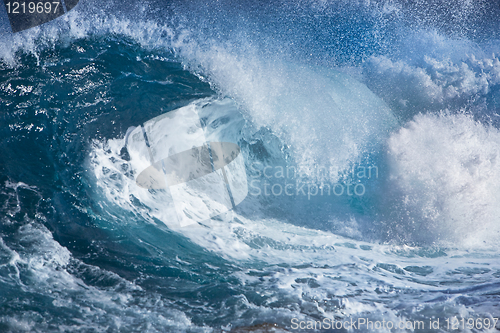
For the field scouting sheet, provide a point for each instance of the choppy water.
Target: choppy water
(401, 100)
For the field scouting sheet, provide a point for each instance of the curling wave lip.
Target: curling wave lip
(202, 179)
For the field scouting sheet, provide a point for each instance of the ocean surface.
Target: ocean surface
(370, 134)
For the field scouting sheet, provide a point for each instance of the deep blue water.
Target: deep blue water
(410, 92)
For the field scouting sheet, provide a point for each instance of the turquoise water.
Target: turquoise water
(400, 100)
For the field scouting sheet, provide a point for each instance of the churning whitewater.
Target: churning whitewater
(365, 186)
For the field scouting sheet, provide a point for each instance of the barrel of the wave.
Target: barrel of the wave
(25, 14)
(201, 179)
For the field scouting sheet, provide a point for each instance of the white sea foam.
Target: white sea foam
(41, 269)
(429, 71)
(445, 180)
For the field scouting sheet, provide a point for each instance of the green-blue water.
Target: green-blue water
(410, 93)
